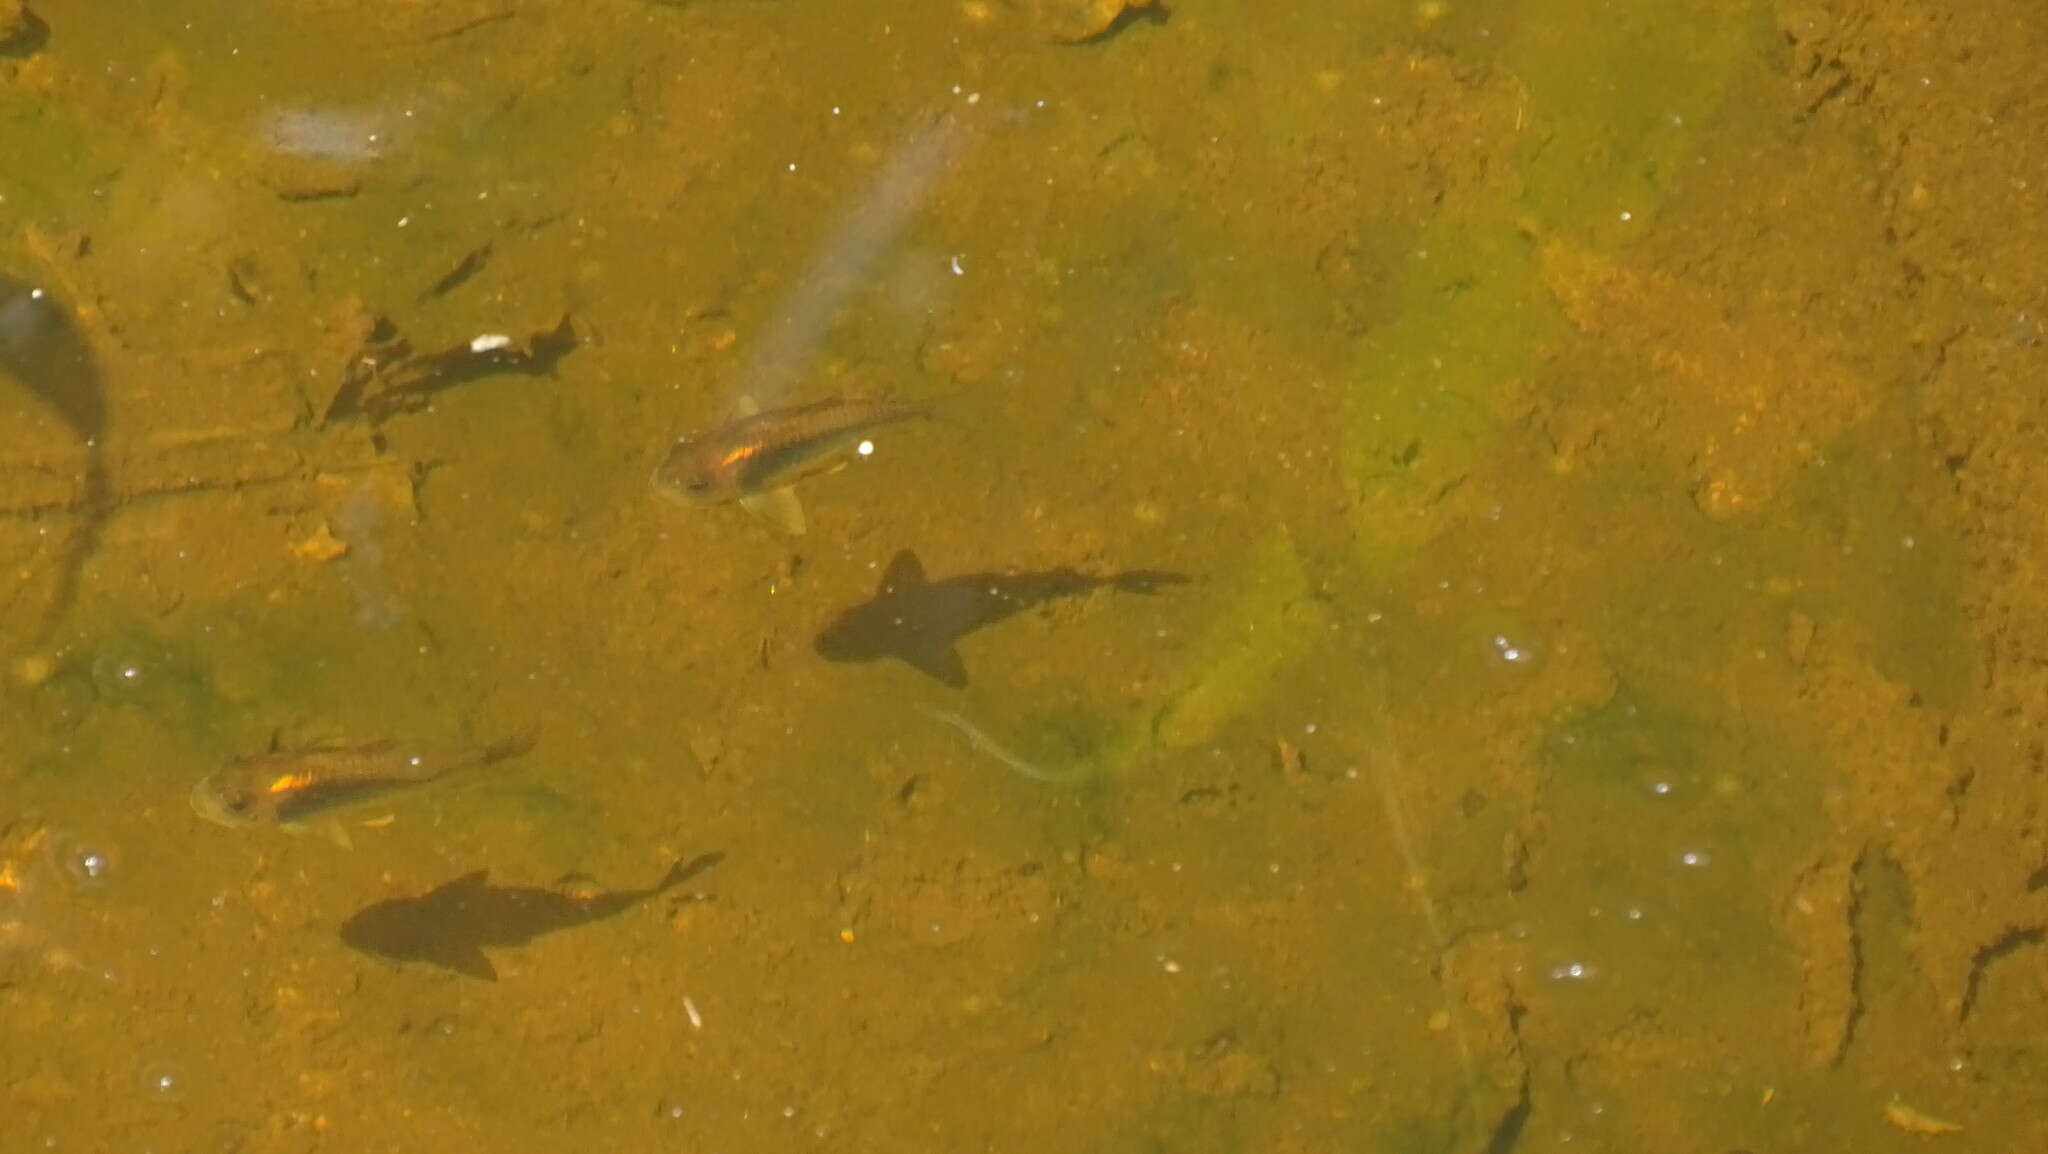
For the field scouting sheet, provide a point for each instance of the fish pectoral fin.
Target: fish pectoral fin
(941, 661)
(467, 960)
(337, 833)
(330, 829)
(779, 507)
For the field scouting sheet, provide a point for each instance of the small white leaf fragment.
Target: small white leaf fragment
(490, 343)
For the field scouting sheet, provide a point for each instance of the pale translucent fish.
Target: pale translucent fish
(753, 459)
(289, 787)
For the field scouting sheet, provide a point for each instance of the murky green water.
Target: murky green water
(1472, 586)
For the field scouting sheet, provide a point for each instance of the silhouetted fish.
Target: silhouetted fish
(449, 926)
(41, 348)
(917, 621)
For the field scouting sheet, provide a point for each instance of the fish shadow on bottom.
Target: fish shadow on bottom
(449, 925)
(919, 621)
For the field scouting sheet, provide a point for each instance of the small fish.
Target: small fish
(285, 787)
(756, 457)
(449, 925)
(917, 620)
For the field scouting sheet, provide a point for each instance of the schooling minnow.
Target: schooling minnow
(285, 787)
(754, 458)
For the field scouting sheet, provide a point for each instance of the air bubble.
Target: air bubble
(1572, 972)
(163, 1082)
(123, 672)
(88, 861)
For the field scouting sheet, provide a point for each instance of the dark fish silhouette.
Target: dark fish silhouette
(917, 621)
(389, 376)
(42, 349)
(450, 925)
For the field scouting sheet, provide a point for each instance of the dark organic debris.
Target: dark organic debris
(471, 264)
(387, 376)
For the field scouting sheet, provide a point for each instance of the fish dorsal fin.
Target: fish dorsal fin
(745, 406)
(779, 507)
(905, 571)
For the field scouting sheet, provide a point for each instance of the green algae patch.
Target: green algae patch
(1604, 114)
(1269, 619)
(1273, 619)
(1432, 386)
(1616, 105)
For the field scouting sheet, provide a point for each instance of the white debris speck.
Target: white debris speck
(690, 1008)
(490, 343)
(865, 448)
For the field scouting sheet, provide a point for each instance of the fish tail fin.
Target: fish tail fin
(513, 746)
(1147, 580)
(686, 868)
(674, 877)
(925, 410)
(921, 410)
